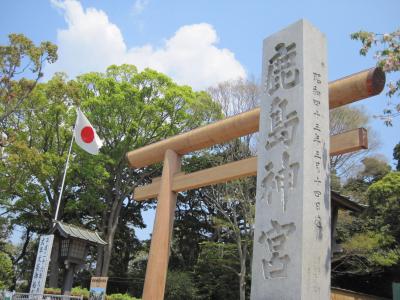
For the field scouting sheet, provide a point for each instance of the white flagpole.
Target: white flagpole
(65, 173)
(49, 238)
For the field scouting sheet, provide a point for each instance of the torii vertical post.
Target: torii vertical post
(157, 266)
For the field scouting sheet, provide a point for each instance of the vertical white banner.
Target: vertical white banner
(42, 264)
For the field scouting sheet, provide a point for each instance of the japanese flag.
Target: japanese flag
(85, 135)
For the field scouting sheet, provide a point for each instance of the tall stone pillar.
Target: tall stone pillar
(291, 254)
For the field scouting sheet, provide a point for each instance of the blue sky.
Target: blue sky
(198, 42)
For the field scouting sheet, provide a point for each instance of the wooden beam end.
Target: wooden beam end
(363, 138)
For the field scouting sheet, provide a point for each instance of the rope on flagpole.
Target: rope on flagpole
(63, 180)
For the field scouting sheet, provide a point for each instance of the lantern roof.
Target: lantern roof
(68, 230)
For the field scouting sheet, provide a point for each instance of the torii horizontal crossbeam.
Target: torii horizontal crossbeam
(342, 91)
(346, 142)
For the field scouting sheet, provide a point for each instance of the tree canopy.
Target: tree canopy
(21, 64)
(387, 54)
(128, 109)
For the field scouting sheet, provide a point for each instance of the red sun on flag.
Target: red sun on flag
(87, 134)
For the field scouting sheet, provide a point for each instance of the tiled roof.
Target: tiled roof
(346, 203)
(68, 230)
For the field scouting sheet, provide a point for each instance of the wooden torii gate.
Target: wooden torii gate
(341, 92)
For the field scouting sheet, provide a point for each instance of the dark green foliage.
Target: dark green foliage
(384, 204)
(180, 286)
(396, 156)
(120, 297)
(6, 271)
(215, 271)
(131, 109)
(84, 292)
(371, 242)
(35, 160)
(5, 232)
(128, 109)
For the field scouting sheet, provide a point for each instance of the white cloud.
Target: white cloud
(139, 6)
(91, 43)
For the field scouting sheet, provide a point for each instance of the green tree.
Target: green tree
(20, 58)
(180, 286)
(371, 242)
(33, 166)
(192, 226)
(377, 243)
(131, 109)
(5, 232)
(128, 109)
(34, 163)
(369, 252)
(369, 249)
(384, 203)
(373, 169)
(21, 64)
(215, 271)
(126, 249)
(387, 54)
(6, 271)
(233, 203)
(396, 156)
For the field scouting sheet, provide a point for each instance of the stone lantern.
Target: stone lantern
(74, 245)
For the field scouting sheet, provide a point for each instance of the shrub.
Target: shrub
(180, 286)
(6, 271)
(121, 297)
(79, 291)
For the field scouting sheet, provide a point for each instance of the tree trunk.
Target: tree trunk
(242, 276)
(15, 260)
(111, 217)
(242, 286)
(99, 263)
(111, 230)
(242, 258)
(107, 254)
